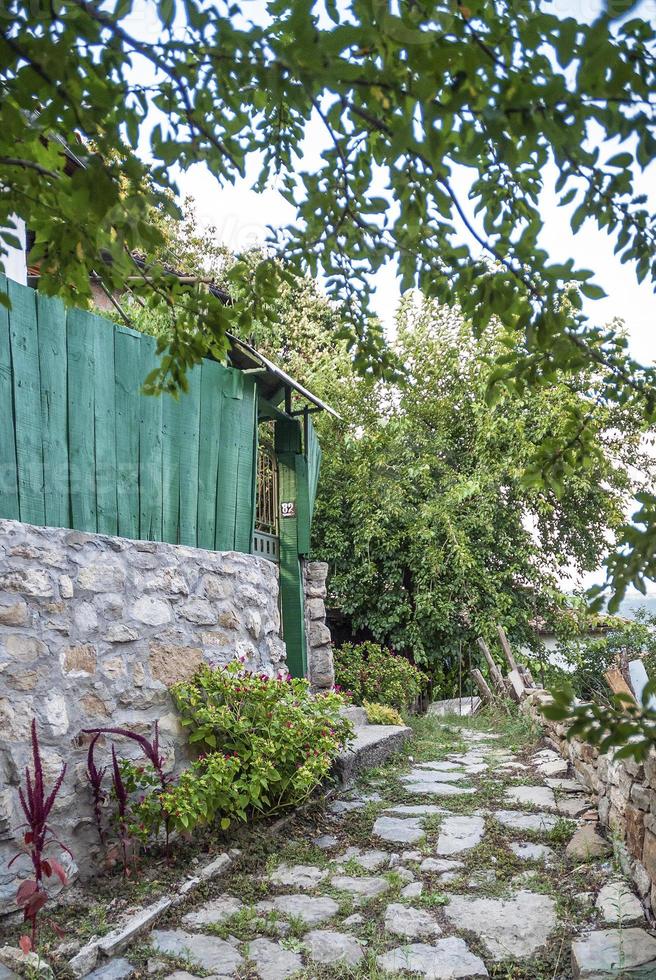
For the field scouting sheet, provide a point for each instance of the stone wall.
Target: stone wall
(626, 798)
(319, 645)
(93, 629)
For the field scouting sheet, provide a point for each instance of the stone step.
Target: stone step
(373, 745)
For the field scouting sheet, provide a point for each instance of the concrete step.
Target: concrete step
(373, 745)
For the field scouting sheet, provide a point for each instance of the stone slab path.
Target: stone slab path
(461, 859)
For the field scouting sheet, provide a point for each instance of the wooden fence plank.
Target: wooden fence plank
(246, 473)
(81, 447)
(53, 373)
(150, 450)
(171, 419)
(507, 649)
(104, 382)
(495, 673)
(23, 333)
(226, 490)
(211, 401)
(9, 507)
(127, 376)
(486, 694)
(188, 449)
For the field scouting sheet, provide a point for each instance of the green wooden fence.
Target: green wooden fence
(81, 447)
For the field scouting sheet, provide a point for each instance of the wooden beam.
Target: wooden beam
(495, 673)
(512, 663)
(486, 694)
(517, 685)
(617, 684)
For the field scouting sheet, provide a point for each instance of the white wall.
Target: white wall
(14, 264)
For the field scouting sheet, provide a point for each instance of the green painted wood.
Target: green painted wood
(171, 424)
(226, 490)
(246, 472)
(150, 449)
(291, 586)
(288, 436)
(23, 332)
(104, 387)
(81, 421)
(313, 454)
(189, 449)
(9, 506)
(53, 375)
(116, 460)
(302, 505)
(211, 402)
(127, 373)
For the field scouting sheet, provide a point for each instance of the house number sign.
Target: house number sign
(288, 508)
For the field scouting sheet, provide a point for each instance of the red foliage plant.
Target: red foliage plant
(36, 805)
(152, 752)
(122, 804)
(95, 777)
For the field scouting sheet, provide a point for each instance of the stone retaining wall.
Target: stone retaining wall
(321, 670)
(626, 798)
(93, 629)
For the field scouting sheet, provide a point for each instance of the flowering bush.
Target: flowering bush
(207, 790)
(280, 737)
(373, 673)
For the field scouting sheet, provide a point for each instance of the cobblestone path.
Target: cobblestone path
(461, 860)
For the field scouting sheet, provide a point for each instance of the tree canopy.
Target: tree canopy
(431, 533)
(429, 130)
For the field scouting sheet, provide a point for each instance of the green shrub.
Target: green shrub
(373, 673)
(281, 737)
(381, 714)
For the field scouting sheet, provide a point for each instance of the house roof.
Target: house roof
(272, 377)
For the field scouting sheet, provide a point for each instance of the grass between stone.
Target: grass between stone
(263, 852)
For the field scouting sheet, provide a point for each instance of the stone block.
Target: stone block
(641, 878)
(649, 854)
(20, 679)
(32, 582)
(120, 633)
(95, 707)
(319, 635)
(650, 769)
(25, 649)
(199, 611)
(635, 830)
(13, 611)
(316, 608)
(79, 660)
(106, 576)
(170, 664)
(640, 796)
(214, 586)
(151, 611)
(15, 725)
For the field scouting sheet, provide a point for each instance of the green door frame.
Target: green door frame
(292, 535)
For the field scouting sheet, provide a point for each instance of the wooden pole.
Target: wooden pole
(485, 692)
(495, 673)
(512, 663)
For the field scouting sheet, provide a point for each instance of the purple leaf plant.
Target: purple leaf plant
(37, 806)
